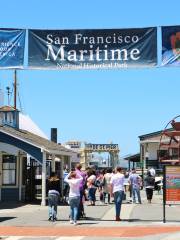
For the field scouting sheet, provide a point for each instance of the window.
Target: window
(163, 154)
(9, 170)
(175, 153)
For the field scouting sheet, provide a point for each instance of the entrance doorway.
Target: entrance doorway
(32, 179)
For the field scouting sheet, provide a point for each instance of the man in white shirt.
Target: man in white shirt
(117, 190)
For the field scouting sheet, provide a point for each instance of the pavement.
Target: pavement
(139, 221)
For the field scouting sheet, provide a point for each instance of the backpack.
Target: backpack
(99, 183)
(151, 181)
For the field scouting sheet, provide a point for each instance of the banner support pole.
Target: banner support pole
(164, 194)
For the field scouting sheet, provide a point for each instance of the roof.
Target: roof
(26, 123)
(133, 158)
(36, 140)
(7, 108)
(153, 134)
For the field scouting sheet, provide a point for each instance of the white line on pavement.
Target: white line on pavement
(70, 238)
(14, 238)
(172, 236)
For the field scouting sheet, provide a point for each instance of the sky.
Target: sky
(96, 106)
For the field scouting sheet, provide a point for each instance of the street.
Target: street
(139, 221)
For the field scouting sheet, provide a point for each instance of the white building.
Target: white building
(25, 158)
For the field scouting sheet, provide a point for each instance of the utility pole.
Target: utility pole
(15, 88)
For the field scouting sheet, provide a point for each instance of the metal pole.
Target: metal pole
(164, 194)
(15, 88)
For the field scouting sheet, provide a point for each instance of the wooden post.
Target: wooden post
(20, 175)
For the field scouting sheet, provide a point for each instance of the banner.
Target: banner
(171, 46)
(12, 44)
(92, 49)
(172, 179)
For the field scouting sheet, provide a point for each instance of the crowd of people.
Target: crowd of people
(112, 186)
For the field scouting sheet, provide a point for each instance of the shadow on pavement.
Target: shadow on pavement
(11, 205)
(87, 223)
(2, 219)
(149, 220)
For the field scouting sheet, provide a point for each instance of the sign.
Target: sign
(101, 147)
(172, 179)
(92, 49)
(171, 46)
(12, 44)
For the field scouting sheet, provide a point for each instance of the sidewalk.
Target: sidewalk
(143, 220)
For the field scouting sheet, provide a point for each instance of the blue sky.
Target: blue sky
(96, 106)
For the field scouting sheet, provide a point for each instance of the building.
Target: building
(133, 161)
(26, 159)
(149, 150)
(75, 146)
(97, 155)
(89, 155)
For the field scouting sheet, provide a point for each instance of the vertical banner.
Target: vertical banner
(92, 49)
(12, 44)
(171, 46)
(172, 179)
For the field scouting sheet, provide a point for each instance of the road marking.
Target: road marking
(173, 236)
(31, 237)
(14, 238)
(70, 238)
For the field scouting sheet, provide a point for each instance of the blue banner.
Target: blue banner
(171, 46)
(12, 44)
(92, 49)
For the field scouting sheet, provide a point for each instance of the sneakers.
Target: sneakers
(74, 223)
(52, 219)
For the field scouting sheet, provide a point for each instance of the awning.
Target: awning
(30, 143)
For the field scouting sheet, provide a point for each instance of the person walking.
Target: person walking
(53, 196)
(135, 182)
(91, 187)
(149, 185)
(117, 190)
(82, 189)
(107, 185)
(74, 180)
(152, 171)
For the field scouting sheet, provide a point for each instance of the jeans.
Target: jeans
(136, 192)
(118, 197)
(92, 194)
(52, 204)
(74, 206)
